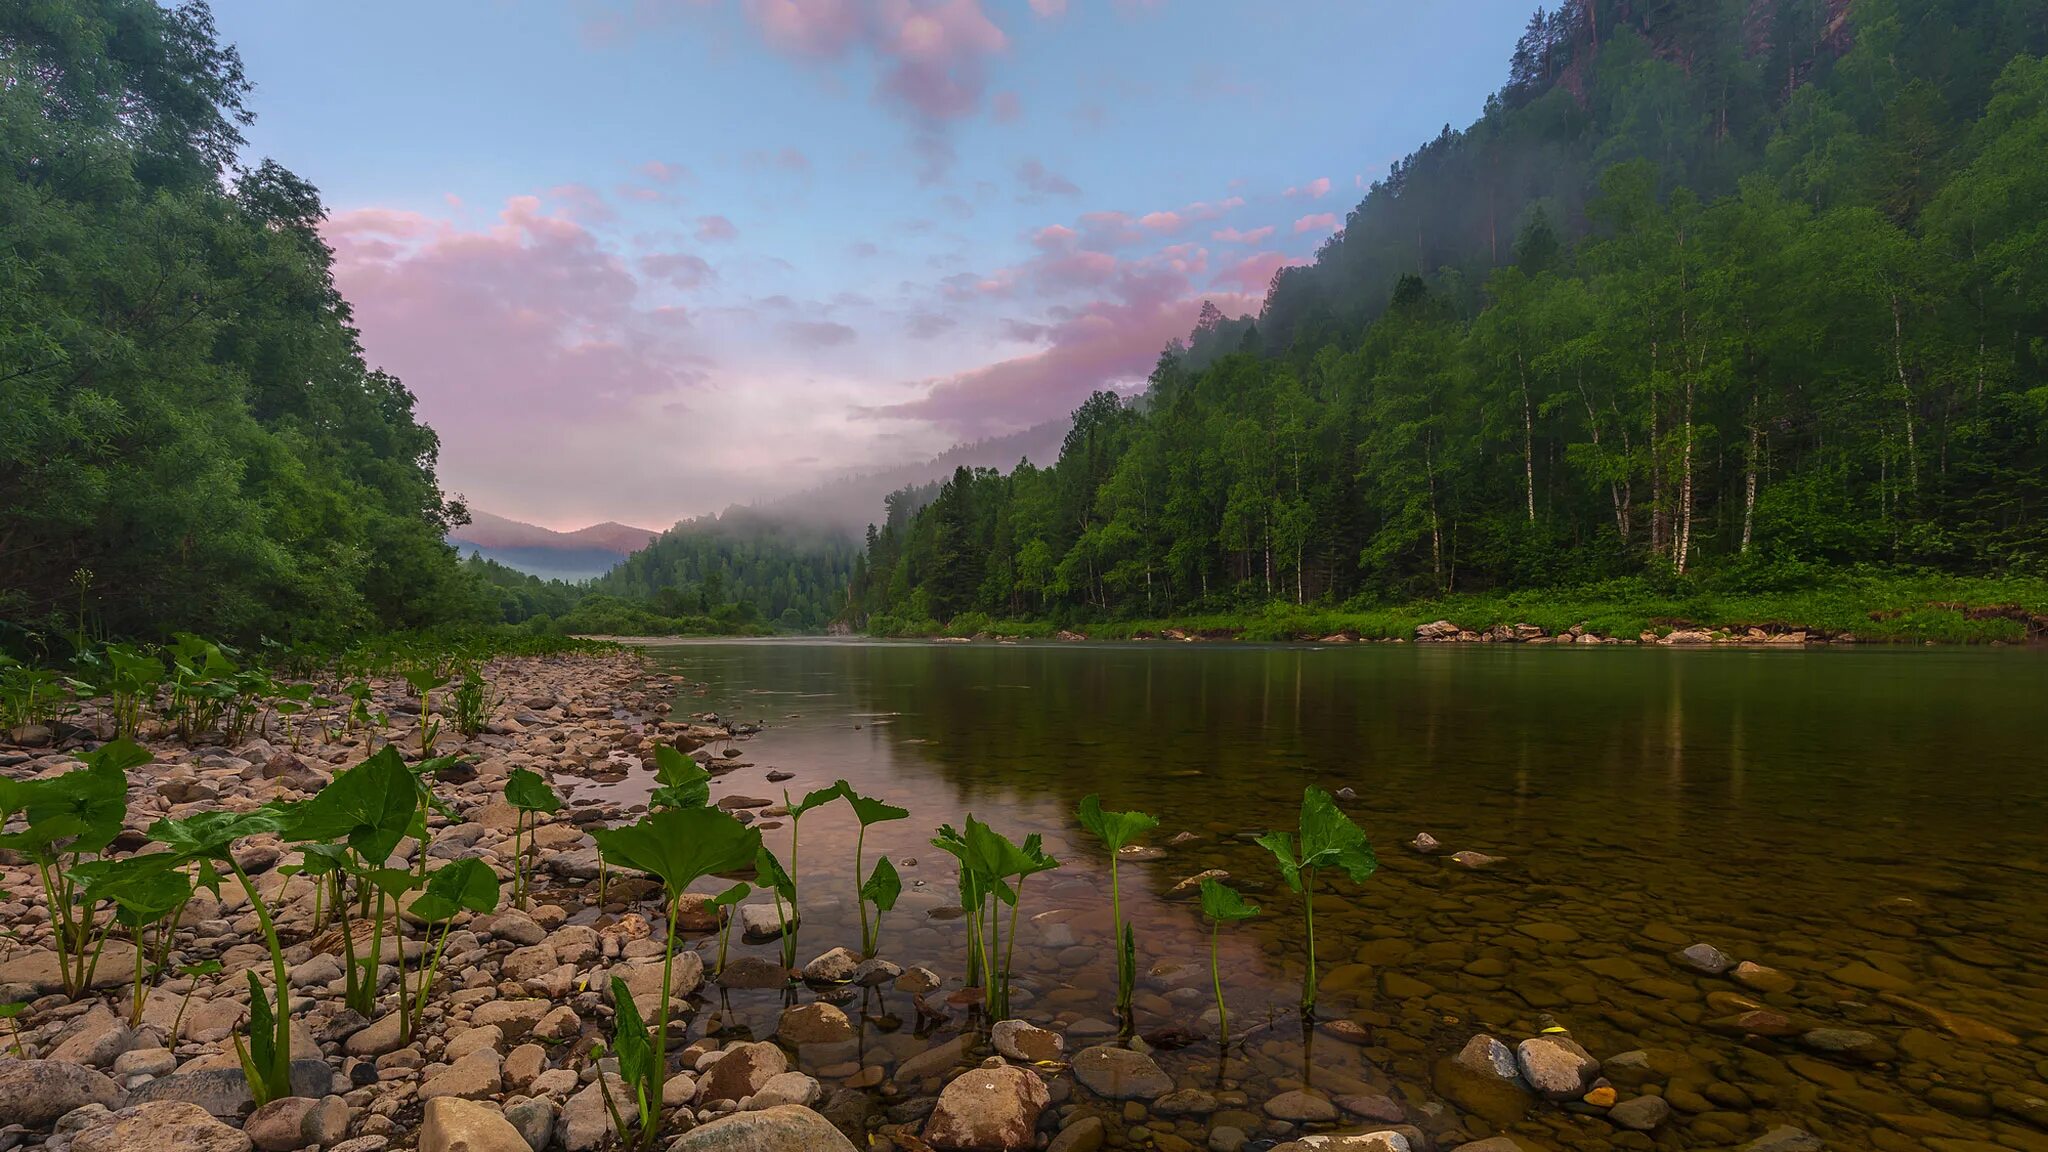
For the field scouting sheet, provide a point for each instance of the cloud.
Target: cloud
(711, 229)
(1112, 340)
(928, 325)
(680, 269)
(819, 333)
(582, 202)
(1049, 9)
(1053, 237)
(1253, 274)
(662, 172)
(1006, 108)
(530, 317)
(1315, 189)
(1233, 236)
(1038, 181)
(1320, 222)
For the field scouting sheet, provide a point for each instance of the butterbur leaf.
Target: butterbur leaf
(372, 806)
(393, 882)
(1223, 904)
(528, 791)
(883, 886)
(463, 885)
(84, 807)
(680, 845)
(1330, 839)
(1114, 829)
(869, 810)
(629, 1039)
(817, 799)
(262, 1048)
(213, 834)
(733, 895)
(684, 782)
(769, 874)
(203, 968)
(1281, 845)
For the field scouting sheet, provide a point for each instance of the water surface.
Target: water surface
(1868, 822)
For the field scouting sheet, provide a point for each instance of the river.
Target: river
(1871, 825)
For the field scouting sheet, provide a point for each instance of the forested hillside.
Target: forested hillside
(1716, 291)
(191, 440)
(739, 568)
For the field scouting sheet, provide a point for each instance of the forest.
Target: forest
(740, 572)
(193, 441)
(1713, 295)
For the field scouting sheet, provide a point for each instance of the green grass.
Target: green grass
(1888, 608)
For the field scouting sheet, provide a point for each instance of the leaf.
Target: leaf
(393, 882)
(203, 968)
(372, 806)
(1281, 845)
(684, 782)
(1330, 839)
(630, 1042)
(680, 845)
(144, 889)
(817, 799)
(83, 808)
(769, 874)
(528, 791)
(883, 886)
(1223, 904)
(213, 834)
(465, 884)
(1114, 829)
(733, 895)
(869, 810)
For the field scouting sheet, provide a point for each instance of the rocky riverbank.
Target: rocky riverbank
(845, 1053)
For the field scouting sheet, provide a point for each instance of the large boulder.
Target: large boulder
(993, 1108)
(34, 1093)
(160, 1126)
(452, 1124)
(786, 1129)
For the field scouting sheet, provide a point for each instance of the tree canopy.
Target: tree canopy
(1743, 290)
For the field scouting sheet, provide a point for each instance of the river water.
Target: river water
(1872, 825)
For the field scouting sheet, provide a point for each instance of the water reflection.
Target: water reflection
(1766, 801)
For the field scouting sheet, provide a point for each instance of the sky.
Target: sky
(643, 259)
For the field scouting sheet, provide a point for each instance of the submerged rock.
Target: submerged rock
(1704, 958)
(788, 1128)
(1025, 1042)
(1120, 1074)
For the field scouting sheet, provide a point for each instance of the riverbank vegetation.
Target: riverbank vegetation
(1688, 327)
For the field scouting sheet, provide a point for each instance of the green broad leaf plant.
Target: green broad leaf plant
(530, 795)
(1328, 839)
(884, 882)
(1221, 904)
(1116, 830)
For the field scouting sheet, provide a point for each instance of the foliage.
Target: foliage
(883, 886)
(189, 415)
(1681, 316)
(1115, 830)
(1328, 840)
(531, 796)
(992, 874)
(1222, 905)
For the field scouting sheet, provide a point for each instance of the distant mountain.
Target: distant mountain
(543, 552)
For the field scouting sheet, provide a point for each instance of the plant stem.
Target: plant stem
(867, 943)
(1216, 977)
(279, 1074)
(1308, 914)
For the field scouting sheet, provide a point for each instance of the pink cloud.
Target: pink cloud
(1253, 274)
(662, 172)
(1233, 236)
(1114, 340)
(1049, 8)
(1006, 108)
(1315, 189)
(936, 55)
(1161, 221)
(1038, 181)
(824, 28)
(1053, 236)
(711, 229)
(530, 317)
(819, 333)
(582, 202)
(680, 269)
(1320, 222)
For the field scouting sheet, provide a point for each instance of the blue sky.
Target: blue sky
(640, 259)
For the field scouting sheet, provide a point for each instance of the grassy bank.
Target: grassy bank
(1887, 608)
